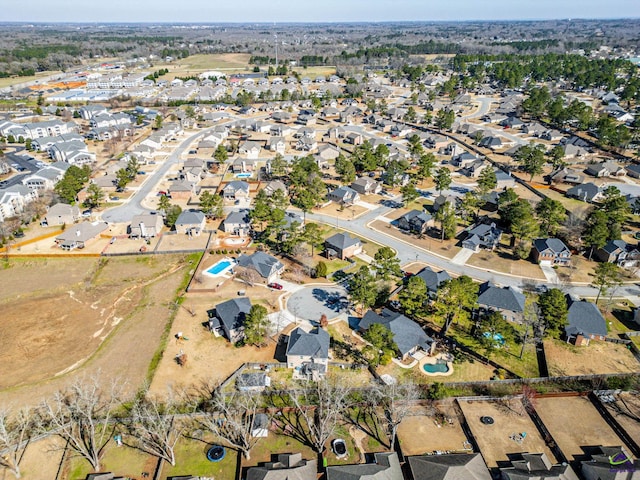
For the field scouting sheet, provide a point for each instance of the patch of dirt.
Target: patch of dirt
(110, 322)
(596, 358)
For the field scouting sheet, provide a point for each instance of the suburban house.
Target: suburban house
(253, 382)
(366, 186)
(587, 192)
(227, 318)
(433, 279)
(243, 165)
(271, 187)
(565, 175)
(385, 467)
(550, 251)
(482, 236)
(288, 466)
(237, 223)
(62, 214)
(618, 252)
(79, 235)
(467, 466)
(416, 221)
(536, 466)
(342, 246)
(277, 144)
(182, 189)
(584, 322)
(308, 353)
(440, 200)
(146, 225)
(599, 466)
(408, 336)
(250, 149)
(267, 266)
(605, 169)
(235, 190)
(508, 301)
(633, 170)
(190, 222)
(344, 196)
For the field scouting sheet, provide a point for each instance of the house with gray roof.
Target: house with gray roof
(253, 382)
(385, 467)
(536, 466)
(62, 214)
(584, 322)
(250, 148)
(482, 236)
(619, 252)
(463, 466)
(267, 266)
(506, 300)
(288, 466)
(416, 221)
(190, 222)
(235, 190)
(342, 246)
(408, 336)
(308, 353)
(433, 279)
(271, 187)
(146, 225)
(237, 223)
(79, 235)
(599, 466)
(551, 251)
(366, 186)
(587, 192)
(227, 318)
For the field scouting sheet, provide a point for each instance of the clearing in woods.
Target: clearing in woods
(88, 314)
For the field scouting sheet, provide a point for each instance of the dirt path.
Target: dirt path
(358, 436)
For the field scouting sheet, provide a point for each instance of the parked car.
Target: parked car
(86, 213)
(114, 198)
(275, 286)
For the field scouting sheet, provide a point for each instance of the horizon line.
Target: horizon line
(309, 22)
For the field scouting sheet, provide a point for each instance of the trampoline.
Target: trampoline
(216, 453)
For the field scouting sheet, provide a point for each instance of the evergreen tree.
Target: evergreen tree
(413, 296)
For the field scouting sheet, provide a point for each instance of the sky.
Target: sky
(213, 11)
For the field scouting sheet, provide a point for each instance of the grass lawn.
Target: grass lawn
(275, 444)
(124, 461)
(353, 456)
(507, 356)
(191, 459)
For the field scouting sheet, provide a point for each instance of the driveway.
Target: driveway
(310, 303)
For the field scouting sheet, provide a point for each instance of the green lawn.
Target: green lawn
(353, 456)
(191, 459)
(124, 461)
(275, 444)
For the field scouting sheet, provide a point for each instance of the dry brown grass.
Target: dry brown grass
(596, 358)
(509, 418)
(587, 427)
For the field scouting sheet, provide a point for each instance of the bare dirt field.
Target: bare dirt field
(194, 64)
(587, 427)
(495, 441)
(41, 460)
(429, 429)
(82, 316)
(596, 358)
(626, 410)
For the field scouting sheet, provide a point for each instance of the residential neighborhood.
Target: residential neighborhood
(403, 261)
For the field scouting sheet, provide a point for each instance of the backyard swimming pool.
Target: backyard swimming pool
(220, 267)
(439, 367)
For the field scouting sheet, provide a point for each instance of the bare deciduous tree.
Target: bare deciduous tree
(248, 275)
(154, 427)
(230, 417)
(15, 431)
(318, 409)
(396, 400)
(80, 415)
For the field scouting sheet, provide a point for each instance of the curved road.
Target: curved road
(133, 206)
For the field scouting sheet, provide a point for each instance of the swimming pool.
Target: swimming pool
(439, 367)
(220, 267)
(243, 175)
